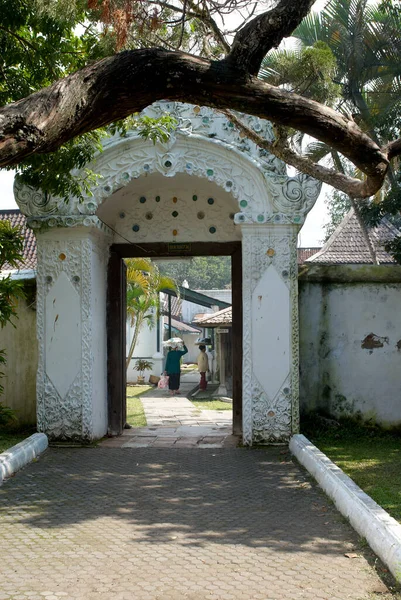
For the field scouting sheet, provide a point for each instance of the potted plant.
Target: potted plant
(141, 366)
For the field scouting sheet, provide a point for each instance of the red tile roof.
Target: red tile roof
(176, 306)
(16, 218)
(304, 253)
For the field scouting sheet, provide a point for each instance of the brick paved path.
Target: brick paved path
(174, 524)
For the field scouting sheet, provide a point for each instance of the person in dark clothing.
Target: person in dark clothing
(173, 368)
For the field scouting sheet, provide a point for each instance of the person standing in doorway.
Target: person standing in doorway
(203, 367)
(173, 368)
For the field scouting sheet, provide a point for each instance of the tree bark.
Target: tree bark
(356, 188)
(264, 32)
(116, 87)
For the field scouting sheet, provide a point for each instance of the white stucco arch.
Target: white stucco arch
(74, 237)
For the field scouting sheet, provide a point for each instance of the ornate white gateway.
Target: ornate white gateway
(207, 184)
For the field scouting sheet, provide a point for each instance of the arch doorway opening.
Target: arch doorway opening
(226, 345)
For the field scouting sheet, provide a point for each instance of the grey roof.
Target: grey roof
(196, 297)
(181, 326)
(347, 244)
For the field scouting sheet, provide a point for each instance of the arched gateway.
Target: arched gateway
(208, 184)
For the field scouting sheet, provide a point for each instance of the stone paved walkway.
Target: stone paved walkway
(173, 524)
(173, 421)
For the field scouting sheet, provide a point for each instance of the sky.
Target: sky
(311, 233)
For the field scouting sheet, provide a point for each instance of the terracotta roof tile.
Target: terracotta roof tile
(16, 218)
(304, 253)
(347, 244)
(176, 306)
(222, 317)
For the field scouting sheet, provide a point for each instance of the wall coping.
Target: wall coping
(382, 532)
(21, 454)
(349, 273)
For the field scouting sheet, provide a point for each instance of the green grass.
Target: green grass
(135, 413)
(8, 439)
(371, 457)
(212, 404)
(188, 368)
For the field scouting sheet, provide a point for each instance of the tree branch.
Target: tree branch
(349, 185)
(392, 149)
(264, 32)
(118, 86)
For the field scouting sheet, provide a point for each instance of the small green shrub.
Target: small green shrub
(143, 365)
(7, 416)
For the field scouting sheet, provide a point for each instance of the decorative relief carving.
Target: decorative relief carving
(61, 419)
(86, 351)
(293, 196)
(44, 223)
(198, 157)
(205, 145)
(69, 417)
(271, 416)
(182, 221)
(264, 418)
(294, 333)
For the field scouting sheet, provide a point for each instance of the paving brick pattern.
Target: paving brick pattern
(173, 421)
(172, 524)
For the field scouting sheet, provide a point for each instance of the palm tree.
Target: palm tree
(366, 45)
(144, 284)
(364, 41)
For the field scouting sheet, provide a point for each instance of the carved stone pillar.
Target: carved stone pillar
(71, 330)
(270, 346)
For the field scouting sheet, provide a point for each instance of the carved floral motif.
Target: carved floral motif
(271, 207)
(205, 145)
(269, 419)
(69, 417)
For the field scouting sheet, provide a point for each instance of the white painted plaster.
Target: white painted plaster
(124, 210)
(21, 454)
(204, 184)
(63, 334)
(382, 532)
(271, 331)
(71, 327)
(99, 260)
(338, 375)
(270, 403)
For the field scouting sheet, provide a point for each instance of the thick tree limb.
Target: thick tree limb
(339, 180)
(116, 87)
(264, 32)
(393, 149)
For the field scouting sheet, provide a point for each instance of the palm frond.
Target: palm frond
(316, 151)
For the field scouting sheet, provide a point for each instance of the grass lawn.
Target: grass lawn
(135, 413)
(8, 439)
(188, 368)
(372, 458)
(212, 404)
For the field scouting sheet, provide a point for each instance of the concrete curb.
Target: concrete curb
(382, 532)
(21, 454)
